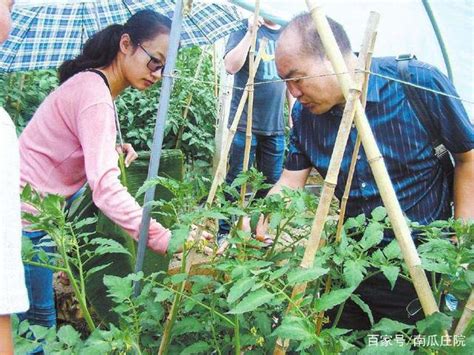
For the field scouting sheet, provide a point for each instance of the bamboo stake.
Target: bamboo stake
(379, 170)
(355, 153)
(362, 80)
(219, 175)
(466, 316)
(251, 88)
(222, 106)
(190, 97)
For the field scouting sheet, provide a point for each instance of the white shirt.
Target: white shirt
(13, 294)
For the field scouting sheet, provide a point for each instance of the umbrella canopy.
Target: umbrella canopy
(45, 33)
(405, 27)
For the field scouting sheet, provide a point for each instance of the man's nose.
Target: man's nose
(293, 89)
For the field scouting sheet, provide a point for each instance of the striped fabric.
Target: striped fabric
(43, 37)
(415, 172)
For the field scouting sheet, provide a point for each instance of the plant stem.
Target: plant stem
(46, 266)
(123, 174)
(338, 315)
(220, 315)
(173, 312)
(288, 298)
(237, 335)
(80, 296)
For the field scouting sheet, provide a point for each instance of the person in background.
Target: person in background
(418, 177)
(13, 294)
(268, 122)
(71, 138)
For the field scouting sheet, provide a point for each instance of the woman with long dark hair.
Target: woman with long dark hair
(71, 138)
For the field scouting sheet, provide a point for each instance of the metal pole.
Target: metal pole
(158, 135)
(437, 32)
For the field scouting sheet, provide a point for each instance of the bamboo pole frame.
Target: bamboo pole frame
(251, 88)
(219, 175)
(362, 80)
(466, 316)
(330, 181)
(355, 153)
(376, 162)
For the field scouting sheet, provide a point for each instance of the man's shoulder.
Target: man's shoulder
(388, 65)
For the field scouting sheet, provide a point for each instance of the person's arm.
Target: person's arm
(291, 101)
(291, 179)
(97, 135)
(464, 185)
(6, 341)
(235, 59)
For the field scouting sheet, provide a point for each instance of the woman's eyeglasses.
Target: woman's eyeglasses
(154, 64)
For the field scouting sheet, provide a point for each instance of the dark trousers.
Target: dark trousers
(268, 154)
(400, 304)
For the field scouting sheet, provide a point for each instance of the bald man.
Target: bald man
(420, 180)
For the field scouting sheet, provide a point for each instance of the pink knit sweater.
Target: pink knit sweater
(71, 139)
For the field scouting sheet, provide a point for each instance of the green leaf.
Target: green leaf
(379, 214)
(372, 236)
(263, 323)
(252, 301)
(106, 246)
(178, 238)
(236, 211)
(440, 267)
(162, 295)
(178, 278)
(254, 218)
(279, 273)
(392, 250)
(275, 219)
(391, 273)
(90, 272)
(200, 347)
(187, 325)
(333, 298)
(387, 326)
(118, 288)
(294, 328)
(301, 275)
(68, 335)
(353, 273)
(358, 301)
(434, 324)
(240, 288)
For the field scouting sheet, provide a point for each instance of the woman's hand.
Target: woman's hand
(130, 153)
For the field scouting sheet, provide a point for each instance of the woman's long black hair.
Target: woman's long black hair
(101, 49)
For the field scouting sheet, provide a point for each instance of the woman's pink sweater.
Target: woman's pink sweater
(71, 139)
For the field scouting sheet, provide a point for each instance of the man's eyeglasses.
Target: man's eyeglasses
(154, 64)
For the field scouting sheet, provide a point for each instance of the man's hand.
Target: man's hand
(130, 153)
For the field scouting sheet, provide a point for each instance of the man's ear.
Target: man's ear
(125, 44)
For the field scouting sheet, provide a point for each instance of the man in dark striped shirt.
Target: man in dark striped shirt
(419, 181)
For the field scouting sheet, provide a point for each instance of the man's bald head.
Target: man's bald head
(309, 43)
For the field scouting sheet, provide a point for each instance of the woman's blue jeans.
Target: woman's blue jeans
(267, 152)
(39, 283)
